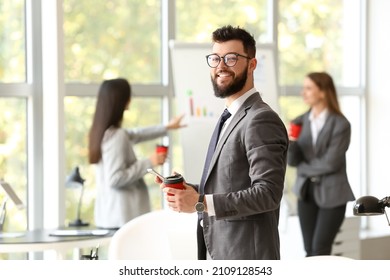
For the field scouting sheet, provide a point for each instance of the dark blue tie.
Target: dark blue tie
(213, 143)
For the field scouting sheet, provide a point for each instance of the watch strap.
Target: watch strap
(199, 206)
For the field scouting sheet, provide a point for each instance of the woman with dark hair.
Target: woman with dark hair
(121, 190)
(319, 153)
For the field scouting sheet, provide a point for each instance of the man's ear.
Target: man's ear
(253, 64)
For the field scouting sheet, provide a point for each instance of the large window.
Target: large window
(324, 35)
(79, 112)
(113, 38)
(13, 113)
(13, 109)
(13, 146)
(12, 42)
(320, 35)
(129, 38)
(196, 20)
(123, 40)
(13, 162)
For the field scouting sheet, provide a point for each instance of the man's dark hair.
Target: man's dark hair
(228, 32)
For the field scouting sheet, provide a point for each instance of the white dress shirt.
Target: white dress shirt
(317, 123)
(233, 108)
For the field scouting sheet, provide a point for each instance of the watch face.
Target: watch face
(199, 207)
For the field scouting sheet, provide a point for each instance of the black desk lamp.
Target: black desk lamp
(370, 206)
(74, 180)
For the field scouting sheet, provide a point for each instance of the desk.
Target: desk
(40, 240)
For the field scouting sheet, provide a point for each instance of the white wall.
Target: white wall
(378, 105)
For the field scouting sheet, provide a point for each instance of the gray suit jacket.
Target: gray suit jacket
(122, 193)
(246, 178)
(326, 162)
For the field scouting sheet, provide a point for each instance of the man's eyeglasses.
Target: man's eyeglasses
(230, 59)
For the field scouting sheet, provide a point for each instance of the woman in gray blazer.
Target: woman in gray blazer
(121, 190)
(319, 153)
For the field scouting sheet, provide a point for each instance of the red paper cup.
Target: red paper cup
(295, 130)
(175, 182)
(161, 149)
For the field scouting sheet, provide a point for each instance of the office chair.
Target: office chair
(157, 235)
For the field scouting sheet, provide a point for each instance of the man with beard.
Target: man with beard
(238, 198)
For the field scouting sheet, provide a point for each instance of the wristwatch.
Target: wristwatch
(199, 206)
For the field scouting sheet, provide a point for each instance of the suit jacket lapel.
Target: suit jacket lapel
(308, 138)
(238, 117)
(323, 134)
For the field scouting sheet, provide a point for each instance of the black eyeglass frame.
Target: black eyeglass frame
(224, 59)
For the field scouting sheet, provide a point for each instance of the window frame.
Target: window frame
(43, 20)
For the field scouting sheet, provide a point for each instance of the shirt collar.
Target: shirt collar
(321, 117)
(236, 104)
